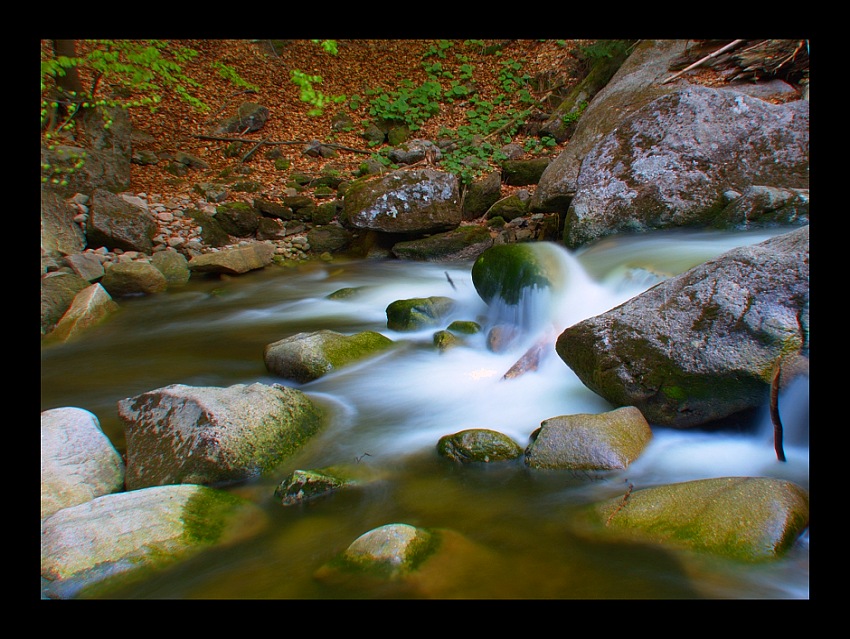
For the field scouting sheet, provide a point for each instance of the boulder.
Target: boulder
(60, 234)
(636, 82)
(90, 307)
(237, 218)
(411, 202)
(481, 194)
(307, 356)
(78, 461)
(478, 445)
(329, 238)
(523, 172)
(173, 265)
(90, 547)
(463, 243)
(751, 519)
(58, 290)
(115, 223)
(703, 345)
(762, 206)
(234, 261)
(506, 271)
(608, 441)
(669, 164)
(133, 278)
(86, 265)
(208, 435)
(417, 313)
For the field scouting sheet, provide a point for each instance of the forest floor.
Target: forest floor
(551, 68)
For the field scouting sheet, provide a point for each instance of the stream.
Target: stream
(390, 411)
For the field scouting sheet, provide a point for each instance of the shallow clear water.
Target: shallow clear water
(389, 412)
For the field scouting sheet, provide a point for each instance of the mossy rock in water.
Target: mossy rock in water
(744, 518)
(304, 485)
(478, 445)
(586, 442)
(445, 340)
(464, 327)
(307, 356)
(505, 271)
(417, 313)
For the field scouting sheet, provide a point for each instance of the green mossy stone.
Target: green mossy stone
(417, 313)
(506, 270)
(478, 445)
(749, 519)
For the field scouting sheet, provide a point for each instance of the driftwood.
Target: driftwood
(701, 61)
(774, 413)
(530, 361)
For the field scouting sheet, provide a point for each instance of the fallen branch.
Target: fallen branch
(774, 413)
(224, 138)
(253, 150)
(723, 49)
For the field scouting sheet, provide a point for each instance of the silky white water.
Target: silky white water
(391, 410)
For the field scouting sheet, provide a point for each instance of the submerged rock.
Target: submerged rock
(307, 356)
(744, 518)
(305, 485)
(608, 441)
(478, 445)
(116, 535)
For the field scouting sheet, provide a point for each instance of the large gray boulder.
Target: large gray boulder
(703, 345)
(108, 539)
(751, 519)
(411, 202)
(207, 435)
(670, 163)
(637, 82)
(78, 461)
(307, 356)
(115, 223)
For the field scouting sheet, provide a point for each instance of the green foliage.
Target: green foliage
(605, 49)
(310, 94)
(573, 116)
(410, 105)
(229, 73)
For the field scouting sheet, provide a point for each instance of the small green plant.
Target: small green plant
(410, 105)
(310, 94)
(229, 73)
(573, 116)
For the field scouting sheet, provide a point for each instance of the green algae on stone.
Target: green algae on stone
(417, 313)
(744, 518)
(505, 271)
(304, 485)
(478, 445)
(307, 356)
(388, 552)
(464, 327)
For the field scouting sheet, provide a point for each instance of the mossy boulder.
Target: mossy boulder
(750, 519)
(584, 442)
(110, 539)
(237, 218)
(445, 340)
(208, 435)
(418, 312)
(505, 271)
(464, 327)
(133, 278)
(307, 356)
(478, 445)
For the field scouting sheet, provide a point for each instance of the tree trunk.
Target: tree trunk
(69, 87)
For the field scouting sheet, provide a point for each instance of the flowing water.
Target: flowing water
(390, 411)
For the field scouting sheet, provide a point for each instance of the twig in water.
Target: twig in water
(622, 504)
(359, 459)
(774, 413)
(450, 281)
